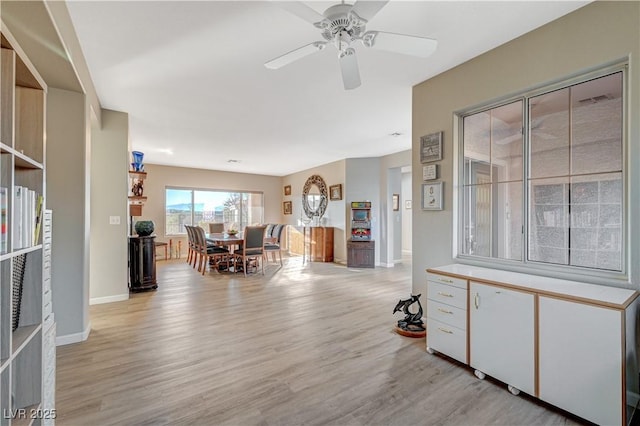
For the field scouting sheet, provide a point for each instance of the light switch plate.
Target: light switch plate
(114, 220)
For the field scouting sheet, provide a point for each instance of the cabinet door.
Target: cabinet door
(502, 335)
(580, 366)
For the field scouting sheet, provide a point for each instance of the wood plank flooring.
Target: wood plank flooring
(303, 344)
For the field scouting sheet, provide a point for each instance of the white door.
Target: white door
(581, 359)
(501, 333)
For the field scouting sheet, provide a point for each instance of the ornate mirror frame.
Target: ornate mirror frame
(324, 196)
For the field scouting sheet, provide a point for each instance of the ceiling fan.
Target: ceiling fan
(343, 24)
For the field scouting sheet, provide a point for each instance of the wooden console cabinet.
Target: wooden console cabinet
(568, 343)
(320, 243)
(361, 254)
(314, 243)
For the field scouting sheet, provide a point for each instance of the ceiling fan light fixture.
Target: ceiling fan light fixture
(294, 55)
(400, 43)
(349, 68)
(342, 24)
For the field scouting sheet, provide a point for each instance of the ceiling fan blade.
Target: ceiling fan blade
(301, 10)
(400, 43)
(349, 67)
(294, 55)
(367, 9)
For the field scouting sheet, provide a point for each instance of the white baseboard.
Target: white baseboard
(108, 299)
(68, 339)
(385, 265)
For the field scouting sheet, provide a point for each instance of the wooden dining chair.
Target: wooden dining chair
(191, 254)
(252, 248)
(207, 251)
(273, 242)
(216, 228)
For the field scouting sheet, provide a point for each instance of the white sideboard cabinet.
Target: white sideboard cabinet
(591, 351)
(503, 318)
(568, 343)
(447, 302)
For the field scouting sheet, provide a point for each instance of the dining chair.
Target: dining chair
(252, 247)
(207, 251)
(190, 245)
(216, 228)
(273, 242)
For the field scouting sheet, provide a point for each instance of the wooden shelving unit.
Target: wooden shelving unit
(25, 323)
(136, 185)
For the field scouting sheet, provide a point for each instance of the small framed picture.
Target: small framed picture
(431, 147)
(395, 202)
(287, 190)
(287, 207)
(432, 196)
(430, 172)
(407, 204)
(335, 192)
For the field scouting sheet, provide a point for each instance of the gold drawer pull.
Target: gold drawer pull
(444, 311)
(445, 294)
(446, 281)
(444, 330)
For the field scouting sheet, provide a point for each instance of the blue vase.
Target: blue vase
(144, 228)
(137, 156)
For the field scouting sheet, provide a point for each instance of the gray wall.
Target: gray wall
(109, 183)
(391, 221)
(407, 229)
(596, 34)
(363, 183)
(67, 189)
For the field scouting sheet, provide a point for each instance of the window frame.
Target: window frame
(593, 275)
(193, 191)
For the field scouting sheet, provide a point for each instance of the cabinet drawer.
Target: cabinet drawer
(443, 279)
(447, 294)
(446, 339)
(447, 314)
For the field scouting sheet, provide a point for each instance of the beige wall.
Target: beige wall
(596, 34)
(333, 174)
(109, 182)
(160, 177)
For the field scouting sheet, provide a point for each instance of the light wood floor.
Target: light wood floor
(305, 344)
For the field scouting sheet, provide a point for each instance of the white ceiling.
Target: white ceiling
(191, 76)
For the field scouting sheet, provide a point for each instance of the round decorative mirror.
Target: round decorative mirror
(314, 197)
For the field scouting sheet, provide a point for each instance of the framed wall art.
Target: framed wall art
(432, 196)
(287, 207)
(287, 190)
(395, 202)
(335, 192)
(431, 147)
(430, 172)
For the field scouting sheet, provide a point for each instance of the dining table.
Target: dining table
(224, 239)
(229, 241)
